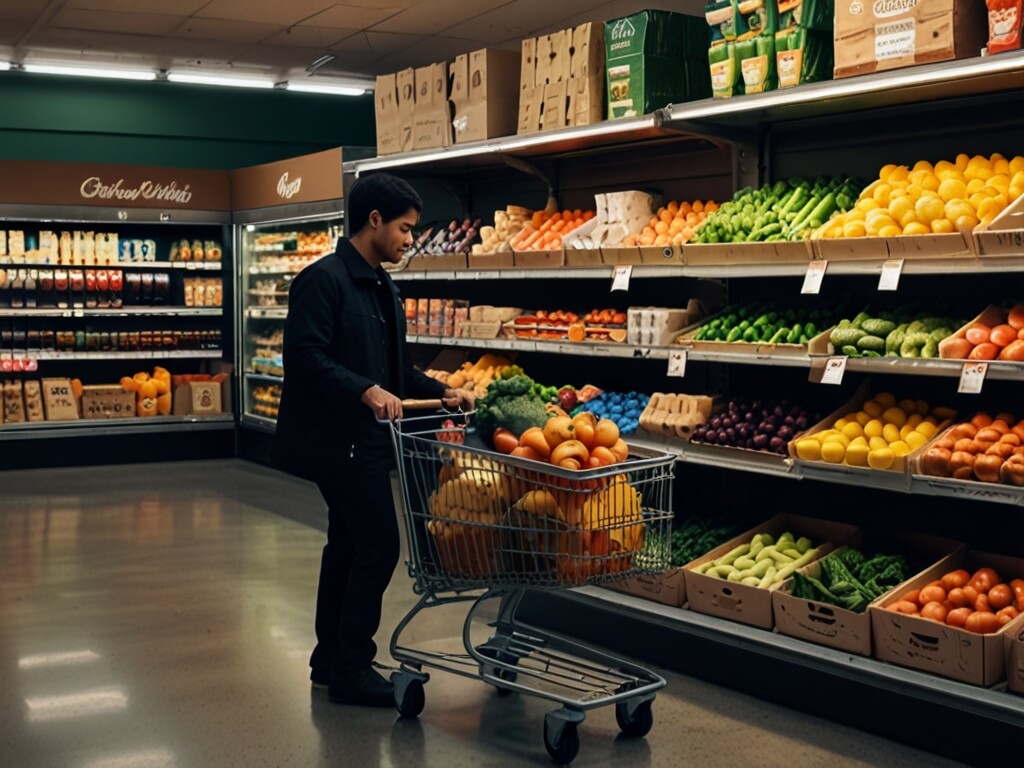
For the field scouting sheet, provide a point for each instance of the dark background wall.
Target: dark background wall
(159, 123)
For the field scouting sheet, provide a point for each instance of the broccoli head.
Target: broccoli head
(518, 414)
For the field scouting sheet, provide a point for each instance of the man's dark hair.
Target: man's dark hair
(390, 195)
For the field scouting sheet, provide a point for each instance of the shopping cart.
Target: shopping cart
(485, 527)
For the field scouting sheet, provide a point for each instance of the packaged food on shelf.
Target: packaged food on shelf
(1004, 25)
(105, 401)
(905, 333)
(659, 326)
(654, 58)
(984, 450)
(876, 433)
(894, 35)
(618, 214)
(676, 415)
(604, 325)
(967, 643)
(439, 241)
(996, 334)
(721, 582)
(266, 400)
(827, 601)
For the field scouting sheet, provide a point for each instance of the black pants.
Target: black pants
(358, 561)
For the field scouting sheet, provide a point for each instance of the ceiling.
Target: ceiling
(284, 37)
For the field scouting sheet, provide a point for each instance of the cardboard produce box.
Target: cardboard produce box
(389, 133)
(653, 59)
(107, 401)
(752, 605)
(432, 122)
(876, 35)
(912, 641)
(668, 588)
(199, 398)
(484, 106)
(837, 627)
(1015, 660)
(406, 108)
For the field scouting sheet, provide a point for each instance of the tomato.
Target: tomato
(505, 441)
(955, 579)
(913, 596)
(904, 606)
(1002, 335)
(986, 351)
(982, 622)
(958, 617)
(1007, 615)
(934, 611)
(981, 604)
(932, 594)
(978, 334)
(958, 597)
(984, 579)
(1000, 596)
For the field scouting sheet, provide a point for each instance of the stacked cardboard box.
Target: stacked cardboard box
(562, 79)
(483, 104)
(412, 110)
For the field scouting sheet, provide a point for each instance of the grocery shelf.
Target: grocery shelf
(997, 370)
(261, 423)
(176, 354)
(97, 427)
(269, 313)
(191, 266)
(973, 491)
(710, 456)
(122, 312)
(993, 704)
(585, 349)
(264, 377)
(911, 85)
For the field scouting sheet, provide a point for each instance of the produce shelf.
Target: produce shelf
(177, 354)
(989, 703)
(122, 312)
(264, 377)
(191, 266)
(912, 85)
(744, 461)
(137, 425)
(956, 489)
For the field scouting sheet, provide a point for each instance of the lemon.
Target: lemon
(857, 455)
(958, 207)
(923, 165)
(822, 436)
(886, 172)
(853, 430)
(1017, 164)
(942, 226)
(891, 434)
(881, 459)
(927, 429)
(808, 450)
(885, 399)
(966, 222)
(873, 428)
(914, 420)
(878, 443)
(908, 406)
(840, 425)
(855, 229)
(895, 416)
(944, 166)
(900, 448)
(916, 228)
(858, 441)
(874, 409)
(868, 204)
(833, 453)
(881, 194)
(952, 189)
(892, 230)
(915, 440)
(928, 208)
(840, 438)
(908, 218)
(974, 186)
(907, 429)
(862, 417)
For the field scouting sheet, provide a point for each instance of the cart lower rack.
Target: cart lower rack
(484, 527)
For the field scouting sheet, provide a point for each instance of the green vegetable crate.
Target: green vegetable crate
(817, 621)
(749, 604)
(774, 346)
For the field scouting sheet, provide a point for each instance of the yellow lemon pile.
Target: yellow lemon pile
(877, 435)
(927, 199)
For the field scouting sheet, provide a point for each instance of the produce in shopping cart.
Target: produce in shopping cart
(465, 514)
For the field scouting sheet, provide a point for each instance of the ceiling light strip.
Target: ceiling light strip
(103, 72)
(211, 79)
(330, 90)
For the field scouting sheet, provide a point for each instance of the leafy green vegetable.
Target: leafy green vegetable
(850, 580)
(516, 403)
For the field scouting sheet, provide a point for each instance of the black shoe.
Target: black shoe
(319, 678)
(364, 687)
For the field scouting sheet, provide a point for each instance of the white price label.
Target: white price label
(190, 266)
(835, 369)
(621, 278)
(972, 378)
(677, 363)
(813, 278)
(79, 313)
(891, 272)
(604, 352)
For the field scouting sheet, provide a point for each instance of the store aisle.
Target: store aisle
(160, 617)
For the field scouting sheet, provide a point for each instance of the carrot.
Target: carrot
(1013, 352)
(986, 351)
(1002, 335)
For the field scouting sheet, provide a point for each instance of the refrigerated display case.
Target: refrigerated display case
(288, 215)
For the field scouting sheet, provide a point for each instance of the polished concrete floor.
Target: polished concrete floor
(160, 616)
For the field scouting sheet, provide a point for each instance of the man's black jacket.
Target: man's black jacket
(335, 348)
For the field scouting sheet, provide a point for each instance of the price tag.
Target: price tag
(79, 313)
(835, 369)
(815, 274)
(972, 378)
(677, 363)
(31, 365)
(605, 352)
(190, 266)
(620, 280)
(891, 271)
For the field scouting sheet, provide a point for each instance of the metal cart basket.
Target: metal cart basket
(484, 527)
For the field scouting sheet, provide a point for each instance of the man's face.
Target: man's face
(393, 238)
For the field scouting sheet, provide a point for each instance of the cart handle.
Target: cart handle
(422, 405)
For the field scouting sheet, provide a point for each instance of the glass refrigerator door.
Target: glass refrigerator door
(272, 255)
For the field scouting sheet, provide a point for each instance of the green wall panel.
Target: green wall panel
(159, 123)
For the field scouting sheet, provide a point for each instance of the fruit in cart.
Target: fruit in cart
(982, 605)
(983, 449)
(464, 514)
(786, 210)
(931, 199)
(567, 398)
(511, 403)
(505, 441)
(758, 425)
(673, 224)
(877, 436)
(763, 562)
(902, 333)
(997, 334)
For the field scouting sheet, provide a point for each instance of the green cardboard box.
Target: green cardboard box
(654, 58)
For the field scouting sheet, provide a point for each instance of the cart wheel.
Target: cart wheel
(564, 746)
(509, 676)
(413, 700)
(639, 723)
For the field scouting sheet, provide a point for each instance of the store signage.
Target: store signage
(287, 188)
(886, 8)
(308, 179)
(25, 182)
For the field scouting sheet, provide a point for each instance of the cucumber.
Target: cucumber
(871, 343)
(843, 337)
(878, 327)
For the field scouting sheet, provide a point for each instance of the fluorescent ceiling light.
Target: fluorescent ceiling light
(330, 90)
(232, 82)
(107, 72)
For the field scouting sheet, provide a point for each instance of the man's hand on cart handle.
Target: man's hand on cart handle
(383, 404)
(459, 398)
